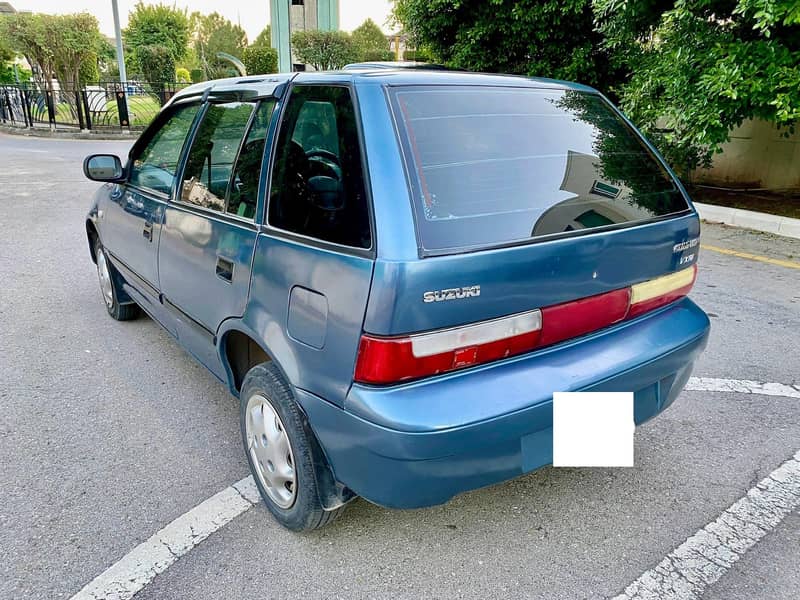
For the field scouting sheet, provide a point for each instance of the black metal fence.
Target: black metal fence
(102, 106)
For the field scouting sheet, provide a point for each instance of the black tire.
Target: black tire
(306, 511)
(117, 310)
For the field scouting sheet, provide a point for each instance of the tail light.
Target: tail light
(387, 360)
(383, 360)
(649, 295)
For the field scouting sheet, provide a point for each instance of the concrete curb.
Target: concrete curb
(749, 219)
(121, 135)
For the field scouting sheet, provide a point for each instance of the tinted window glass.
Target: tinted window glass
(243, 190)
(318, 184)
(500, 165)
(213, 152)
(155, 166)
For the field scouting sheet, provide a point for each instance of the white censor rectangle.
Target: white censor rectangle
(593, 429)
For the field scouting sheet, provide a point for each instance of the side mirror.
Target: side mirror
(326, 193)
(103, 167)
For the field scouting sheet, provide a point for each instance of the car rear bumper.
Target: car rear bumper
(421, 443)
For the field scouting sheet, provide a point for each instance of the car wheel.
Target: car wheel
(110, 288)
(278, 446)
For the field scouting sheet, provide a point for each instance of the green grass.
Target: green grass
(141, 110)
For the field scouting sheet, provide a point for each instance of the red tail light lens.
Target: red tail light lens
(572, 319)
(389, 360)
(383, 360)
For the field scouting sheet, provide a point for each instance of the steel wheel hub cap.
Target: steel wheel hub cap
(105, 278)
(270, 451)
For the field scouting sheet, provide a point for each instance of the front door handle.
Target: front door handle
(224, 269)
(147, 232)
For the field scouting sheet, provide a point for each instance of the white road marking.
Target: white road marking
(708, 384)
(702, 559)
(136, 569)
(741, 526)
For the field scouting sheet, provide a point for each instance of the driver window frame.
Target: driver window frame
(278, 232)
(147, 136)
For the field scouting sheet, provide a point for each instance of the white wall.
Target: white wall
(756, 156)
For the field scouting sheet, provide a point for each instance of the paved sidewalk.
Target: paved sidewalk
(749, 219)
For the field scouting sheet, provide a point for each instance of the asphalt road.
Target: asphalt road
(109, 431)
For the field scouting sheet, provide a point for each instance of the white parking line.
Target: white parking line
(136, 569)
(745, 386)
(702, 559)
(126, 577)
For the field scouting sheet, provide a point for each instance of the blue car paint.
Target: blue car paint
(420, 443)
(534, 275)
(126, 214)
(307, 304)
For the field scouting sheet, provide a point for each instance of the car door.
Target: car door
(130, 220)
(313, 263)
(209, 228)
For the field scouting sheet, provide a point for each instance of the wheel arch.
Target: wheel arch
(92, 235)
(239, 351)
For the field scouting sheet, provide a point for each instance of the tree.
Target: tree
(30, 35)
(324, 50)
(260, 60)
(157, 64)
(214, 34)
(371, 42)
(698, 69)
(547, 38)
(159, 34)
(65, 47)
(6, 55)
(263, 39)
(76, 48)
(107, 59)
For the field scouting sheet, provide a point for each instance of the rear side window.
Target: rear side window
(493, 165)
(318, 187)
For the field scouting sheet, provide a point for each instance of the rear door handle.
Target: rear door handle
(224, 269)
(147, 232)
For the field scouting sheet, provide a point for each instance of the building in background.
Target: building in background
(6, 8)
(399, 44)
(287, 16)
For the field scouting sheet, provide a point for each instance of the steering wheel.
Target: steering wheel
(327, 159)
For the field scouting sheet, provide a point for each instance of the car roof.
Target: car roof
(394, 64)
(254, 86)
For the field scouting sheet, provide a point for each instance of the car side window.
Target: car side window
(243, 187)
(211, 158)
(155, 166)
(318, 187)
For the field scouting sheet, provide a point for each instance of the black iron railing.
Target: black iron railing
(105, 105)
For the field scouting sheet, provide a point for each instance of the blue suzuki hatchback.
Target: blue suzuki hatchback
(394, 270)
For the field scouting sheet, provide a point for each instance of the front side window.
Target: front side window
(498, 165)
(318, 185)
(215, 147)
(154, 166)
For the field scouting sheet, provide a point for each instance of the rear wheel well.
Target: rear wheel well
(91, 233)
(242, 353)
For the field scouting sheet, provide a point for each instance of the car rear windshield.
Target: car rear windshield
(498, 165)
